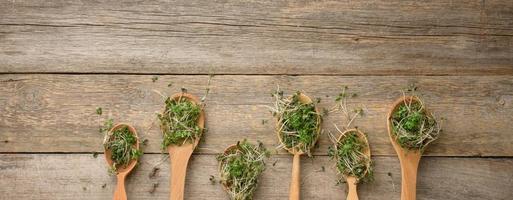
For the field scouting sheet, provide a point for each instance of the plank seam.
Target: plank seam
(261, 74)
(215, 154)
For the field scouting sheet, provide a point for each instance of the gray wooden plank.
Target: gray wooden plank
(56, 113)
(257, 37)
(80, 176)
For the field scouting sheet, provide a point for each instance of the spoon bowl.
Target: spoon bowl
(201, 119)
(220, 167)
(294, 191)
(351, 180)
(295, 150)
(409, 158)
(180, 154)
(123, 171)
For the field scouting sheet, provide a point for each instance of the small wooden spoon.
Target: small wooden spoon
(408, 158)
(180, 154)
(220, 168)
(294, 191)
(123, 171)
(351, 180)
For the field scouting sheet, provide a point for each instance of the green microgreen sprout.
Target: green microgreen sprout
(99, 111)
(122, 144)
(350, 157)
(153, 172)
(212, 179)
(172, 138)
(341, 105)
(107, 125)
(413, 126)
(298, 124)
(179, 121)
(391, 180)
(240, 167)
(322, 169)
(153, 188)
(349, 151)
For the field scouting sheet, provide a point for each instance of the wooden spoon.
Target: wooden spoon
(294, 191)
(180, 154)
(123, 171)
(220, 168)
(351, 180)
(409, 158)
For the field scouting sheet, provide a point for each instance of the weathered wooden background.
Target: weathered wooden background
(59, 60)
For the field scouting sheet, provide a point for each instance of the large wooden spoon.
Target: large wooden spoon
(351, 180)
(180, 154)
(295, 183)
(409, 158)
(123, 171)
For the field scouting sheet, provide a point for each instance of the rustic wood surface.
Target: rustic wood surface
(57, 112)
(257, 37)
(81, 176)
(60, 60)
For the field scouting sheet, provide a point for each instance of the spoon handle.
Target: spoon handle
(296, 179)
(179, 160)
(410, 164)
(120, 193)
(351, 184)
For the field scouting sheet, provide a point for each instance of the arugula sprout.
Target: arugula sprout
(350, 157)
(121, 142)
(240, 168)
(179, 121)
(413, 127)
(298, 123)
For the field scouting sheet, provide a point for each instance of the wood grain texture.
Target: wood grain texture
(98, 51)
(257, 37)
(56, 113)
(80, 176)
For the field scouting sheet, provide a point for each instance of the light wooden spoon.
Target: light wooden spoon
(123, 171)
(351, 180)
(220, 167)
(409, 158)
(180, 154)
(295, 183)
